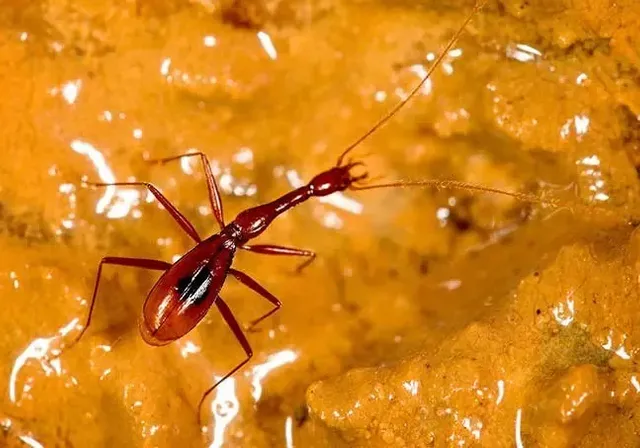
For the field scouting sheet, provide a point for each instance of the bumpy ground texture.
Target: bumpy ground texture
(430, 318)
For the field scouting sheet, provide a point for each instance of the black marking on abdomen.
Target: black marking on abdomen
(194, 288)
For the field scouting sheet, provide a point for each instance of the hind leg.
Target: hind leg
(143, 263)
(258, 289)
(233, 324)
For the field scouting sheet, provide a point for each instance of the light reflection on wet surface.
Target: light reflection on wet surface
(254, 100)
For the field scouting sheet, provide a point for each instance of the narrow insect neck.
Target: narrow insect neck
(252, 222)
(290, 200)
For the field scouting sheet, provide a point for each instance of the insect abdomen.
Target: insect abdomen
(184, 294)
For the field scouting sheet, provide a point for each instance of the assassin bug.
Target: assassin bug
(189, 287)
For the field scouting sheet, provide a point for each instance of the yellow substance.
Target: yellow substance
(430, 318)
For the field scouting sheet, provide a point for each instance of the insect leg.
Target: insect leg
(143, 263)
(233, 324)
(214, 192)
(173, 211)
(257, 288)
(269, 249)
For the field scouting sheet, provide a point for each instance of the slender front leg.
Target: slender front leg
(269, 249)
(143, 263)
(214, 192)
(231, 321)
(257, 288)
(171, 209)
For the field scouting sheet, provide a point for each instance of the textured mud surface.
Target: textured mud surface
(430, 318)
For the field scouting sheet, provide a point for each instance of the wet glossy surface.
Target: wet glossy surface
(430, 318)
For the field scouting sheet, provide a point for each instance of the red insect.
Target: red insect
(189, 287)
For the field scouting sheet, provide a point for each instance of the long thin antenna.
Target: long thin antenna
(554, 203)
(415, 90)
(459, 185)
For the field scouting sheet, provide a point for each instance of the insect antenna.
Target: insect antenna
(382, 121)
(558, 204)
(460, 185)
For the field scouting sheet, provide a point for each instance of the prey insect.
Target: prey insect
(188, 288)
